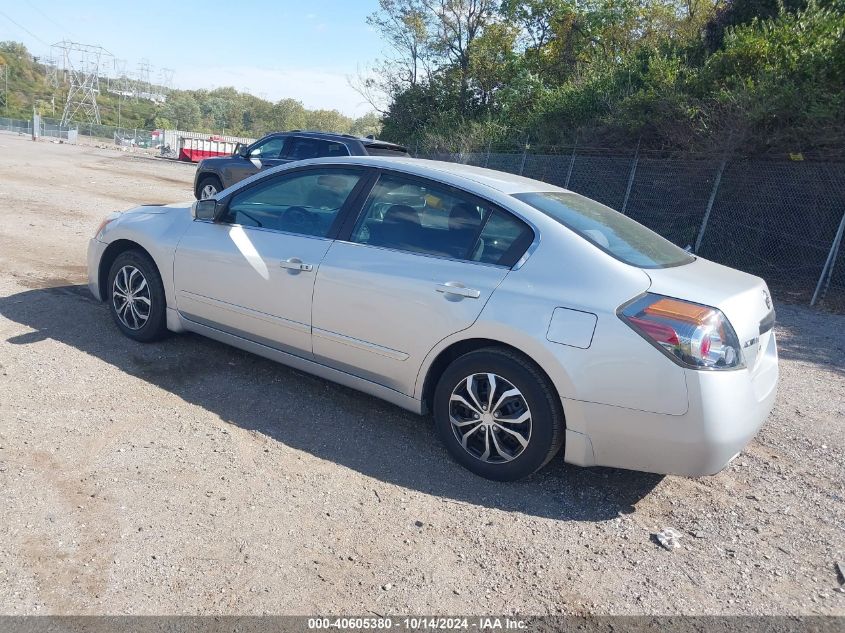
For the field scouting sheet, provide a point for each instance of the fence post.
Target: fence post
(830, 262)
(571, 164)
(487, 158)
(631, 178)
(709, 208)
(524, 154)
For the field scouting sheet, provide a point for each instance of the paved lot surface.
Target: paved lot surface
(188, 477)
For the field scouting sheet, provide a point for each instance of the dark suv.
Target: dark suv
(215, 174)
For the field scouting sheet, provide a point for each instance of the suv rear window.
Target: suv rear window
(612, 232)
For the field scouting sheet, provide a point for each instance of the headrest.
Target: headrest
(401, 214)
(464, 216)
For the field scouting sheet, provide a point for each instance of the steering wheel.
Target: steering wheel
(298, 219)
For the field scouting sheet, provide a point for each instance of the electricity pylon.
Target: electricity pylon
(81, 63)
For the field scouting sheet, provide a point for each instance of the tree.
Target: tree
(181, 110)
(288, 114)
(368, 124)
(405, 26)
(738, 12)
(457, 24)
(623, 71)
(215, 112)
(492, 61)
(327, 121)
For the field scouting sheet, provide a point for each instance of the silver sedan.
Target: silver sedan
(525, 317)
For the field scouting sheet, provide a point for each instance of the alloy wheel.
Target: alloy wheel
(131, 297)
(209, 191)
(490, 418)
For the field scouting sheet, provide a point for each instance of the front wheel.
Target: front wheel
(498, 415)
(136, 297)
(208, 187)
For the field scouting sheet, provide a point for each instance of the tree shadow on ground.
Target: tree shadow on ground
(328, 421)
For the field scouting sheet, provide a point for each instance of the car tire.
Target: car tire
(208, 182)
(508, 457)
(136, 297)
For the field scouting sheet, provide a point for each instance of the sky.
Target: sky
(306, 50)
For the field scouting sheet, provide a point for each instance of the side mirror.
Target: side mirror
(204, 209)
(243, 150)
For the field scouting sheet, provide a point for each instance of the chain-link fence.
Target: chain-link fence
(778, 219)
(15, 125)
(53, 128)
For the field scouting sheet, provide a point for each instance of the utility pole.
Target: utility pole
(4, 87)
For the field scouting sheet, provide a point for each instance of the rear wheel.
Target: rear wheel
(208, 187)
(136, 297)
(498, 415)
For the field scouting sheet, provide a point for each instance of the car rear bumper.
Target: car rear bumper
(95, 255)
(726, 409)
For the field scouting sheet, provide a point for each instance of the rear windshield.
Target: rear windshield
(385, 150)
(614, 233)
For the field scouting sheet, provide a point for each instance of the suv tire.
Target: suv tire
(208, 187)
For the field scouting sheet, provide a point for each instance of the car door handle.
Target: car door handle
(294, 263)
(458, 289)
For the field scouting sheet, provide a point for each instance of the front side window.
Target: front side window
(614, 233)
(424, 217)
(271, 148)
(305, 202)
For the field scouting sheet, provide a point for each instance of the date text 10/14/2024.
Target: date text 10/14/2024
(418, 623)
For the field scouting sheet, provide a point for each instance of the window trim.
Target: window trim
(345, 232)
(339, 220)
(429, 255)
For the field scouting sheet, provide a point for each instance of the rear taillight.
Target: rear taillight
(693, 335)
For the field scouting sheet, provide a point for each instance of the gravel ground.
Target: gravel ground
(189, 477)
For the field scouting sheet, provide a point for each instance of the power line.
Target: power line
(63, 29)
(21, 26)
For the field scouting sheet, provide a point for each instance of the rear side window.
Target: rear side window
(614, 233)
(428, 218)
(503, 240)
(302, 148)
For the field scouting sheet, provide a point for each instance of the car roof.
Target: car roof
(340, 137)
(452, 173)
